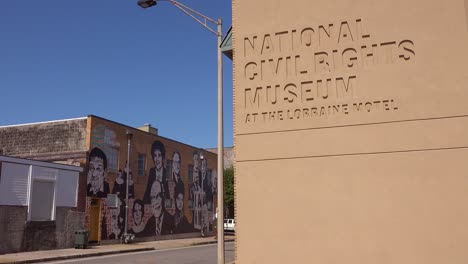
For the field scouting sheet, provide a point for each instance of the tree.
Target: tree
(229, 192)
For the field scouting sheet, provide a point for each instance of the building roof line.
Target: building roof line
(45, 122)
(141, 131)
(40, 163)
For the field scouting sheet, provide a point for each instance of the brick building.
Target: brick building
(228, 156)
(172, 186)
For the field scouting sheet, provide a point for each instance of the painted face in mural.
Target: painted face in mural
(137, 213)
(195, 177)
(115, 221)
(96, 173)
(121, 222)
(203, 169)
(130, 178)
(214, 181)
(158, 159)
(156, 198)
(180, 201)
(195, 161)
(176, 165)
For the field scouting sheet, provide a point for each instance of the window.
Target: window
(141, 164)
(42, 200)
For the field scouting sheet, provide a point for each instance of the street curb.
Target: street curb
(210, 242)
(214, 242)
(97, 254)
(85, 255)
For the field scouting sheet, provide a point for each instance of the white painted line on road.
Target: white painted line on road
(132, 253)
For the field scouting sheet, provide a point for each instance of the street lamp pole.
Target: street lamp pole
(129, 140)
(204, 21)
(220, 196)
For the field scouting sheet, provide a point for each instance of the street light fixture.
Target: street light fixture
(207, 22)
(146, 3)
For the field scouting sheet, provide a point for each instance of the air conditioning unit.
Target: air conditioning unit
(112, 201)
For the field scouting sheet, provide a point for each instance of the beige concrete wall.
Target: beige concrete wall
(351, 131)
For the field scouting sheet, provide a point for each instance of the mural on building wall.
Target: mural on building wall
(120, 184)
(195, 192)
(181, 224)
(176, 175)
(105, 139)
(117, 222)
(160, 208)
(138, 212)
(201, 193)
(157, 172)
(160, 222)
(97, 167)
(214, 182)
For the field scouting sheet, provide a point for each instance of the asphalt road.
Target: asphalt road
(205, 254)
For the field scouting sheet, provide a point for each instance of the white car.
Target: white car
(229, 225)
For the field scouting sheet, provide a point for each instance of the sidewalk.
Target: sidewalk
(71, 253)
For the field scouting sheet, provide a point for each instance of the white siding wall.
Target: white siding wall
(48, 174)
(42, 201)
(16, 181)
(67, 188)
(14, 184)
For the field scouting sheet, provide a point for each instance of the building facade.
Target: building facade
(171, 185)
(38, 203)
(350, 116)
(228, 156)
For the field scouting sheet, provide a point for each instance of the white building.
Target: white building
(37, 200)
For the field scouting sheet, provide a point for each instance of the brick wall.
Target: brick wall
(12, 219)
(58, 141)
(68, 221)
(17, 234)
(111, 138)
(39, 236)
(52, 141)
(228, 156)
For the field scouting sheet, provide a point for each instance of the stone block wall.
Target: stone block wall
(68, 221)
(17, 234)
(12, 220)
(62, 141)
(50, 141)
(39, 236)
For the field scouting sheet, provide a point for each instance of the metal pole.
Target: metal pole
(220, 149)
(220, 225)
(202, 229)
(126, 188)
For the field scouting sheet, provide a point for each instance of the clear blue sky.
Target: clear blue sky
(65, 59)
